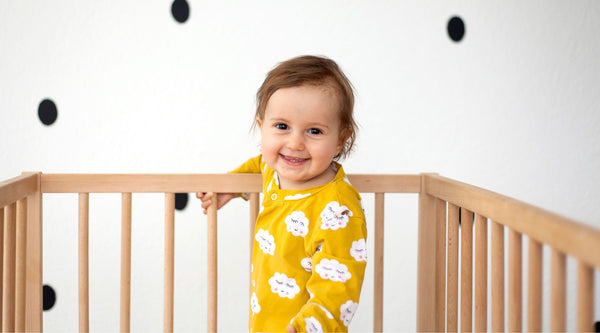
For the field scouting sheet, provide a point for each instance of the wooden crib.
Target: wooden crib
(446, 208)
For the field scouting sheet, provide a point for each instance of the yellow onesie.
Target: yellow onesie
(309, 255)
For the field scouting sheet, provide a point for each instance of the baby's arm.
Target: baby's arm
(338, 267)
(252, 165)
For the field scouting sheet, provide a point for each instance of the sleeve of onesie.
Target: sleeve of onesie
(253, 165)
(338, 268)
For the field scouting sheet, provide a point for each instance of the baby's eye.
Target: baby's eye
(281, 126)
(315, 131)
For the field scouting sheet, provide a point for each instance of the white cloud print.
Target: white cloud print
(313, 325)
(347, 311)
(335, 216)
(332, 270)
(284, 286)
(266, 241)
(306, 264)
(297, 196)
(327, 313)
(297, 224)
(254, 304)
(359, 250)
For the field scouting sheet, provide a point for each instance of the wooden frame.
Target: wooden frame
(440, 279)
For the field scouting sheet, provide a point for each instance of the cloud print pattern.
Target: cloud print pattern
(266, 241)
(313, 325)
(297, 224)
(284, 286)
(335, 216)
(359, 250)
(306, 264)
(254, 306)
(347, 311)
(332, 270)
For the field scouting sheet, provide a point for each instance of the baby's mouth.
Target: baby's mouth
(294, 160)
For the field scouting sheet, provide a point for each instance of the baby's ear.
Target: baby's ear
(345, 134)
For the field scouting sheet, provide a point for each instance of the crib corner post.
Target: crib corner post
(426, 265)
(34, 281)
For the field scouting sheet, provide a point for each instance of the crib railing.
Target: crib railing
(446, 207)
(21, 253)
(441, 203)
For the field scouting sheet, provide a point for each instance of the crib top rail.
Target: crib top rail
(223, 183)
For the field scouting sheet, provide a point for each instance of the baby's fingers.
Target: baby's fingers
(204, 196)
(206, 200)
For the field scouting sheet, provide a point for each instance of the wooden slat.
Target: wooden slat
(211, 275)
(125, 262)
(466, 276)
(17, 188)
(440, 298)
(452, 303)
(570, 237)
(34, 317)
(169, 261)
(8, 280)
(515, 275)
(426, 265)
(585, 298)
(558, 293)
(254, 210)
(534, 287)
(481, 237)
(21, 265)
(84, 300)
(224, 183)
(378, 262)
(497, 277)
(1, 262)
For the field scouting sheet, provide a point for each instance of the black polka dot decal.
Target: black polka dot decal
(48, 297)
(180, 10)
(47, 112)
(181, 200)
(456, 29)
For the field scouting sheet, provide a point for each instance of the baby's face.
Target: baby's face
(301, 135)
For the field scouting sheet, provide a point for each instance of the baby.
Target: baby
(306, 271)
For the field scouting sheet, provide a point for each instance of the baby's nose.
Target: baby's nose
(296, 142)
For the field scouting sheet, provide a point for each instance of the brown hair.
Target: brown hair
(313, 70)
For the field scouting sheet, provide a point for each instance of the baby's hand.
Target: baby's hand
(291, 329)
(222, 199)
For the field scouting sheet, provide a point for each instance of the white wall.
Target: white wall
(513, 107)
